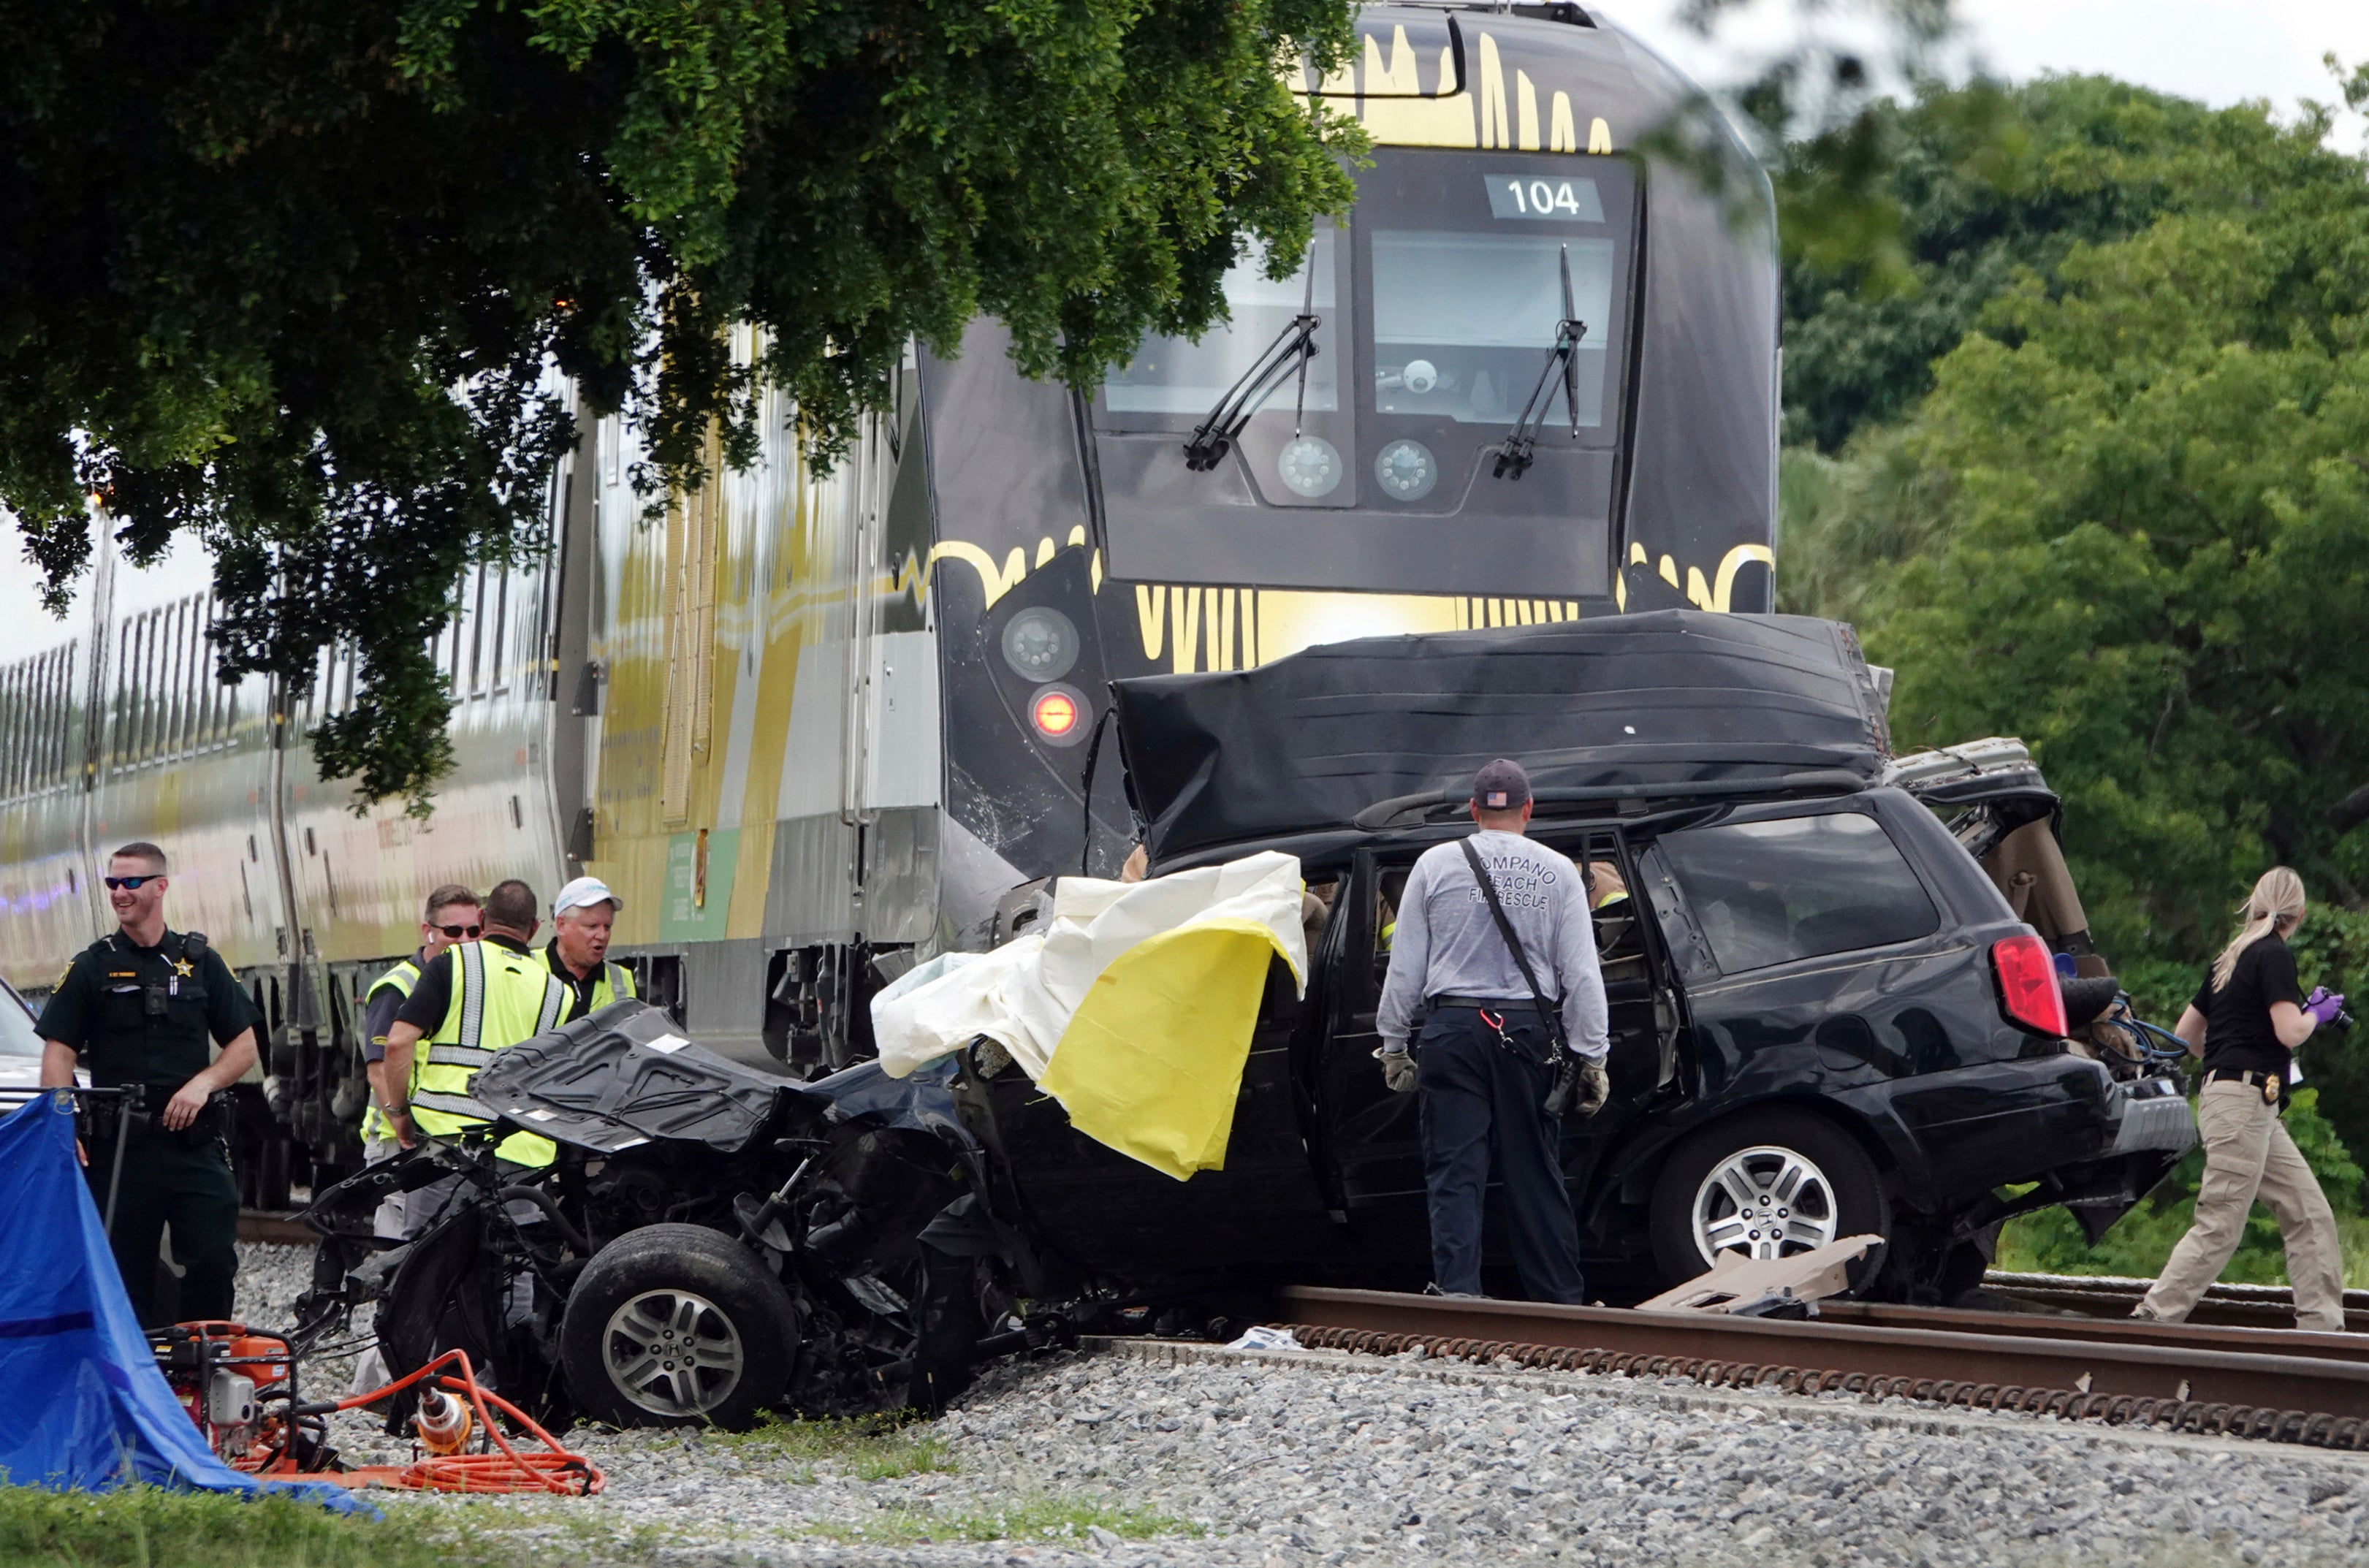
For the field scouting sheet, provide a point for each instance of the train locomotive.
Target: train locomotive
(815, 725)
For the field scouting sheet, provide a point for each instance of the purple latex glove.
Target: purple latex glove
(2322, 1006)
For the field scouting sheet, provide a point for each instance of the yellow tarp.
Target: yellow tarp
(1152, 1061)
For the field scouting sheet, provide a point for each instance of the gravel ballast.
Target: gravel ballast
(1150, 1454)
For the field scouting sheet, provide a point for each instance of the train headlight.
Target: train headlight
(1058, 714)
(1041, 645)
(1311, 466)
(1406, 471)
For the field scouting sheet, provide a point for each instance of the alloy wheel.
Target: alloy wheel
(1765, 1202)
(673, 1353)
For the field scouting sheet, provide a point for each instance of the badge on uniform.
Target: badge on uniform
(2270, 1090)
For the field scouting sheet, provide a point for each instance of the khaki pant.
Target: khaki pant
(2248, 1155)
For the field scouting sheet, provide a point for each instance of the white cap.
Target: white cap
(583, 893)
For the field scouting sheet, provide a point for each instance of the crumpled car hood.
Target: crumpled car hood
(626, 1076)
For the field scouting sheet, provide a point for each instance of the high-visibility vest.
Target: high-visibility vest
(615, 982)
(499, 999)
(401, 978)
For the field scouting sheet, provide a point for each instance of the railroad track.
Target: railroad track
(2280, 1385)
(277, 1229)
(2232, 1306)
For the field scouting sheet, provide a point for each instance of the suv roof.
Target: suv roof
(1343, 739)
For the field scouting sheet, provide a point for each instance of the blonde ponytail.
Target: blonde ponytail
(2276, 898)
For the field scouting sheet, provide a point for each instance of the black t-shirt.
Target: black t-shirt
(2237, 1033)
(102, 1009)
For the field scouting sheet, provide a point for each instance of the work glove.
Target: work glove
(1398, 1071)
(2322, 1005)
(1595, 1087)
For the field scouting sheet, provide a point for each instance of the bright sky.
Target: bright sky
(2219, 52)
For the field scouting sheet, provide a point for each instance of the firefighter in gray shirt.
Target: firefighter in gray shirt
(1485, 1058)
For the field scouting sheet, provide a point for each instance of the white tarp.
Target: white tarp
(1023, 994)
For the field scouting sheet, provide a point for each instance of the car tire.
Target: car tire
(677, 1325)
(1698, 1193)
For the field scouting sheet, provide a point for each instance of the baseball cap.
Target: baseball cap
(582, 893)
(1501, 785)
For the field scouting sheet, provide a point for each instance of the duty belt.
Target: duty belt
(1492, 1003)
(2269, 1084)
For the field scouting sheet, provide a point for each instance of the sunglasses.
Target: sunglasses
(461, 933)
(133, 884)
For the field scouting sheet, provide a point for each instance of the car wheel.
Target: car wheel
(1769, 1185)
(676, 1325)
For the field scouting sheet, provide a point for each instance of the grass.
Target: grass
(2050, 1243)
(145, 1528)
(1035, 1518)
(869, 1448)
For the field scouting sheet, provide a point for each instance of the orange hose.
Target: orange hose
(556, 1469)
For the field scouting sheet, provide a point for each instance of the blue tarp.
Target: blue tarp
(89, 1411)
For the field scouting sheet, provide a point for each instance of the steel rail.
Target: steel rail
(2233, 1306)
(2281, 1340)
(2289, 1398)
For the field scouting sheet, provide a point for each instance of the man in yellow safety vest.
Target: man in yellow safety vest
(452, 915)
(472, 1000)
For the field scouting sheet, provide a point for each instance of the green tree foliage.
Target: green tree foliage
(2103, 482)
(2128, 522)
(1970, 186)
(290, 275)
(2154, 546)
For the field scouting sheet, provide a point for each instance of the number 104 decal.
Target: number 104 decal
(1568, 200)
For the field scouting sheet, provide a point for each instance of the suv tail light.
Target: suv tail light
(2028, 989)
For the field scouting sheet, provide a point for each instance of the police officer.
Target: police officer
(2246, 1021)
(452, 914)
(147, 1005)
(582, 919)
(473, 1000)
(1486, 1055)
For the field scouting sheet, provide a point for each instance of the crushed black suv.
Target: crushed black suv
(1836, 1008)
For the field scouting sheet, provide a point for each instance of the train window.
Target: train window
(477, 633)
(1439, 318)
(120, 719)
(497, 671)
(1462, 321)
(1176, 375)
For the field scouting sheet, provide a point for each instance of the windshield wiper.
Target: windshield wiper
(1514, 457)
(1293, 346)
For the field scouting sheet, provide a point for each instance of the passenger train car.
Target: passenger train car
(813, 725)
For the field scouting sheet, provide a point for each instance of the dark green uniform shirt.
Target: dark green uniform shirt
(146, 1015)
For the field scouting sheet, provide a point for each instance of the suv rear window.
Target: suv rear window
(1768, 892)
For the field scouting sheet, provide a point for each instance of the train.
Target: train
(813, 727)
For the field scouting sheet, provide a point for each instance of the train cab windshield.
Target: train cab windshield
(1435, 314)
